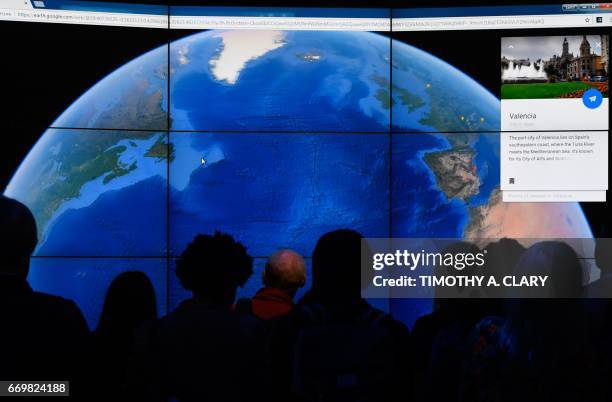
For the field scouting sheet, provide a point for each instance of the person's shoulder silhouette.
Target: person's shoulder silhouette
(203, 350)
(437, 337)
(43, 336)
(334, 345)
(546, 324)
(602, 288)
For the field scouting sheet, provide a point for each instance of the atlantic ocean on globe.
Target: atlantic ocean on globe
(275, 137)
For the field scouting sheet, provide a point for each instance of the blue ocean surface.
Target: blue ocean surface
(278, 191)
(126, 222)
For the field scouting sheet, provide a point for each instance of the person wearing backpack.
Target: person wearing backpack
(283, 276)
(334, 346)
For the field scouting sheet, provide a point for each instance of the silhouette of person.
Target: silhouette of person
(43, 337)
(488, 348)
(438, 338)
(129, 304)
(284, 274)
(486, 372)
(334, 346)
(602, 288)
(502, 257)
(203, 350)
(598, 309)
(546, 325)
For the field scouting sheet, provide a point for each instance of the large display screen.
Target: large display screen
(132, 128)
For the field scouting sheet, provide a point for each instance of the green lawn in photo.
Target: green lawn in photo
(541, 90)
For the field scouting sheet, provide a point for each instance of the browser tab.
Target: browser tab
(16, 5)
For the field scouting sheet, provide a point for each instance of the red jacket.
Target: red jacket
(269, 303)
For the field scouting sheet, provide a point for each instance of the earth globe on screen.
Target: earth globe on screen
(275, 137)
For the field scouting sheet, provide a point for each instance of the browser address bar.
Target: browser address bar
(500, 22)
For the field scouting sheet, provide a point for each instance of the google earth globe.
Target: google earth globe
(275, 137)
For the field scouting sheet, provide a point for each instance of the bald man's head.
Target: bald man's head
(285, 270)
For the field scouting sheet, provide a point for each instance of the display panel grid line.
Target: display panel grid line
(168, 156)
(127, 257)
(390, 206)
(337, 132)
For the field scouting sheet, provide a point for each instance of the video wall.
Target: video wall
(141, 138)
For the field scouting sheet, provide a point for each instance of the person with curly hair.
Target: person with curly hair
(203, 350)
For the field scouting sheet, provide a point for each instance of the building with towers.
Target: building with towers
(557, 66)
(586, 65)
